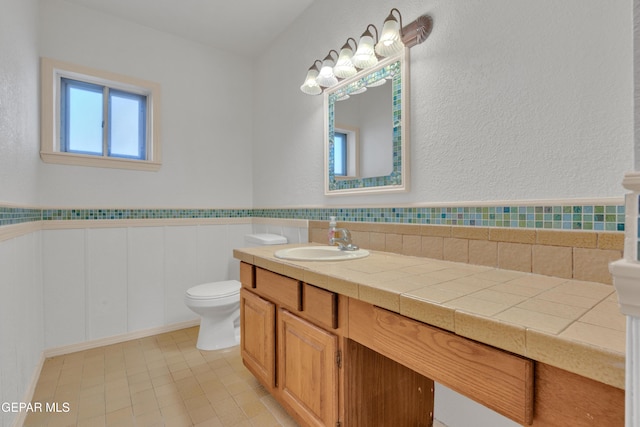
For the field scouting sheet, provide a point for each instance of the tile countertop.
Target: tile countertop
(570, 324)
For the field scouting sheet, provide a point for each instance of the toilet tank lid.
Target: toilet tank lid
(215, 289)
(265, 239)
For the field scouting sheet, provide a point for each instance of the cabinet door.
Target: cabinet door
(307, 370)
(257, 338)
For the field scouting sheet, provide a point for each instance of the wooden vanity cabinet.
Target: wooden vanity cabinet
(308, 369)
(257, 341)
(292, 353)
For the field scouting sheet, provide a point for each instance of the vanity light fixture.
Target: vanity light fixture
(344, 67)
(310, 85)
(326, 77)
(365, 55)
(390, 39)
(393, 39)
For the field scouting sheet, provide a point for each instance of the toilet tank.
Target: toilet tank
(264, 239)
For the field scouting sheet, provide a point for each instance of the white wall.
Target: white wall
(510, 100)
(206, 115)
(21, 295)
(104, 282)
(19, 143)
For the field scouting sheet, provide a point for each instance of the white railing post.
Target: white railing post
(626, 279)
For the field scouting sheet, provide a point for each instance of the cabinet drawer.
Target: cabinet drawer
(247, 275)
(279, 289)
(320, 306)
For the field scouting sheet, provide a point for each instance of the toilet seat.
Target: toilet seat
(215, 290)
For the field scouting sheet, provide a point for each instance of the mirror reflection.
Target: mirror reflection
(364, 132)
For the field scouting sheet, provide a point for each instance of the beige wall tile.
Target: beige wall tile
(593, 264)
(512, 235)
(360, 238)
(411, 245)
(376, 241)
(578, 239)
(514, 256)
(455, 249)
(393, 243)
(476, 233)
(356, 226)
(432, 247)
(407, 229)
(553, 261)
(613, 241)
(381, 227)
(318, 235)
(482, 252)
(436, 230)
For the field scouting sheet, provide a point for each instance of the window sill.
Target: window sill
(101, 162)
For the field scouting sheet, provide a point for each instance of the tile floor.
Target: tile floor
(162, 380)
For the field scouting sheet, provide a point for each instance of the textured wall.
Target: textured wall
(19, 137)
(510, 101)
(206, 116)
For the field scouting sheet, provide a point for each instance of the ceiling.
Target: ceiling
(243, 26)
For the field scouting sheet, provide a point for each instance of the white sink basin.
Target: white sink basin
(319, 253)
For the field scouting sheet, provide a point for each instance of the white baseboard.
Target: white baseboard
(87, 345)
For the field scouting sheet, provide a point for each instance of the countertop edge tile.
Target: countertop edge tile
(503, 335)
(583, 359)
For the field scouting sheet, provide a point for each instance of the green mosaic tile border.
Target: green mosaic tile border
(590, 217)
(102, 214)
(9, 215)
(578, 217)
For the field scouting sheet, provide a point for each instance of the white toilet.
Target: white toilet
(218, 304)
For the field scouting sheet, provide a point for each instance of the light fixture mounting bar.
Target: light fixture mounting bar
(417, 31)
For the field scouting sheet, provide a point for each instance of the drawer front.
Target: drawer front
(494, 378)
(247, 275)
(320, 306)
(279, 289)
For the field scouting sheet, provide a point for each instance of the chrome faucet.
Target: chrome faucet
(344, 242)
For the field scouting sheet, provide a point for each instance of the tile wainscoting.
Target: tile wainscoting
(581, 255)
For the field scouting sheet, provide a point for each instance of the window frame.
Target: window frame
(51, 73)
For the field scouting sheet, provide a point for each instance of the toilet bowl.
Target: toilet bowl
(218, 304)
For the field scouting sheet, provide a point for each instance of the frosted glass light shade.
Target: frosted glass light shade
(377, 83)
(326, 77)
(344, 67)
(390, 40)
(310, 85)
(365, 55)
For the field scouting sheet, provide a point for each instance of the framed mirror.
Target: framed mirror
(366, 130)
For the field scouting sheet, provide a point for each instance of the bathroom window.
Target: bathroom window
(340, 154)
(100, 119)
(345, 152)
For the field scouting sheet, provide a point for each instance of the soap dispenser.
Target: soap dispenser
(332, 228)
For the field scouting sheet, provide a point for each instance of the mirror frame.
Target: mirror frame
(398, 180)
